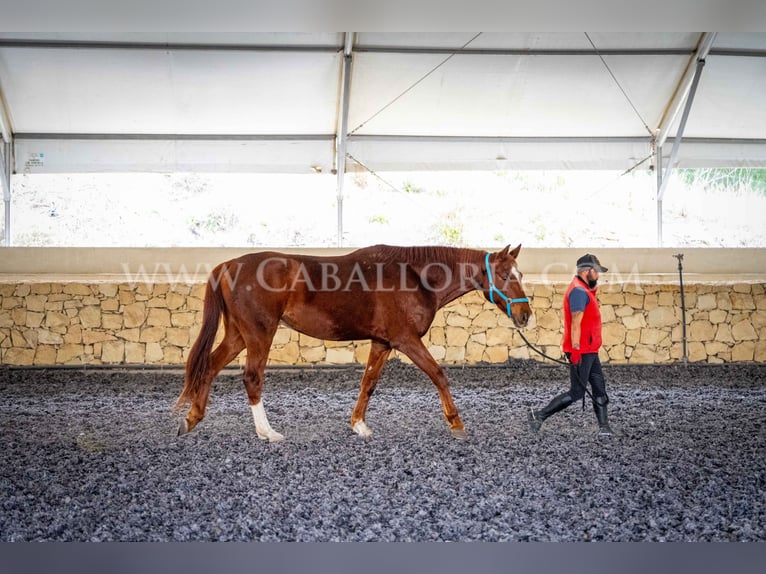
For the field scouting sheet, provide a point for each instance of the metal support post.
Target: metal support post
(682, 90)
(680, 258)
(343, 130)
(6, 133)
(5, 176)
(685, 90)
(681, 128)
(658, 167)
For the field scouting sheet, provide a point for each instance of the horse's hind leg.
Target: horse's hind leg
(231, 346)
(378, 354)
(253, 379)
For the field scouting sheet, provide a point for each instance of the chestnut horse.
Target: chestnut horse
(389, 295)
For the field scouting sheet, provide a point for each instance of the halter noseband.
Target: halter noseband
(503, 296)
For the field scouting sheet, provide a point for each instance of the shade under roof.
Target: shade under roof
(271, 102)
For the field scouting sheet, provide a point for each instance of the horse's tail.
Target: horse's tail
(198, 363)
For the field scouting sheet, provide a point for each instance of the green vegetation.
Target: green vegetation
(735, 178)
(409, 187)
(34, 239)
(215, 222)
(540, 231)
(450, 232)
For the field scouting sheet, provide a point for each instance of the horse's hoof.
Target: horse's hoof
(459, 434)
(276, 437)
(183, 428)
(271, 436)
(362, 429)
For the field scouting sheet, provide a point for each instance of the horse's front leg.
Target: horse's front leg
(378, 354)
(416, 351)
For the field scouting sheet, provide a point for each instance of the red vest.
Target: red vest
(590, 328)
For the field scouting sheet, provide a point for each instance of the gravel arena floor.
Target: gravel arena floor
(91, 455)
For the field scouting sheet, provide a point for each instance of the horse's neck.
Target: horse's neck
(466, 276)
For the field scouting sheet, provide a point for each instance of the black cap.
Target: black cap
(588, 261)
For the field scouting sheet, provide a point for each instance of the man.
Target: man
(582, 340)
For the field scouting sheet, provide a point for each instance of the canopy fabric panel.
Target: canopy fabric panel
(112, 91)
(273, 102)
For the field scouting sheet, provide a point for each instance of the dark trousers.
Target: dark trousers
(588, 371)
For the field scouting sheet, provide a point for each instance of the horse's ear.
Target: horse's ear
(515, 252)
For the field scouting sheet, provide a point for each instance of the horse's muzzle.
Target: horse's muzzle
(523, 318)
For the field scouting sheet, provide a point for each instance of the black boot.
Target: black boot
(558, 403)
(599, 407)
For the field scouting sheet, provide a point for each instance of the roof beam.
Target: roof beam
(497, 139)
(105, 45)
(524, 51)
(331, 48)
(738, 53)
(376, 137)
(173, 137)
(683, 87)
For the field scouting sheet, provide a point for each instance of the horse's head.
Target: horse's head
(504, 285)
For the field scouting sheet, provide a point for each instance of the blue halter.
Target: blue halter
(503, 296)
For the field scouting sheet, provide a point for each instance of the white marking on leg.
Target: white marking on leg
(361, 428)
(262, 426)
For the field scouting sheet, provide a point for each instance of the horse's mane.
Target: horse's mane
(420, 255)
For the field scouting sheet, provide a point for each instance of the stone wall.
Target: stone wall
(91, 323)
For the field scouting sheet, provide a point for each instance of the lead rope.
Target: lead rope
(560, 362)
(508, 303)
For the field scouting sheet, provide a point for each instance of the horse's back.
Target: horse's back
(363, 294)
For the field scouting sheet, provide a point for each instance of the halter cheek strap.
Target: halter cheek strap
(503, 296)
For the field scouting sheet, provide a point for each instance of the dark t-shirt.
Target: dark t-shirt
(578, 299)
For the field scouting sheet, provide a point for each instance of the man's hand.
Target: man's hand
(575, 357)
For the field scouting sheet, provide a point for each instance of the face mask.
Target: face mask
(592, 283)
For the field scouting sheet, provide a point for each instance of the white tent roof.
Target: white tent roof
(273, 102)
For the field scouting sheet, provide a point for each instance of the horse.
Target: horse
(386, 294)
